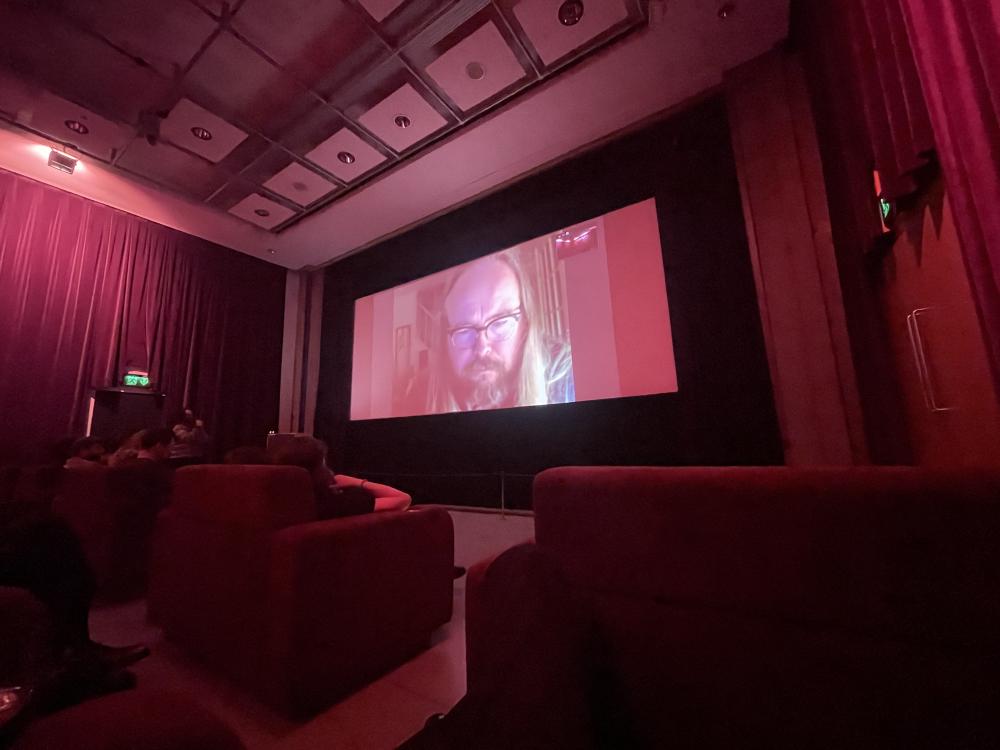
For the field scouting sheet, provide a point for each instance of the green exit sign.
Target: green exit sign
(135, 380)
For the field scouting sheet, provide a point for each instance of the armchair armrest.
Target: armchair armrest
(348, 598)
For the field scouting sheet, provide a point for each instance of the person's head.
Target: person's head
(187, 417)
(157, 443)
(247, 455)
(490, 351)
(88, 448)
(306, 452)
(133, 440)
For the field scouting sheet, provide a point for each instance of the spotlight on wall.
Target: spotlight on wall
(61, 161)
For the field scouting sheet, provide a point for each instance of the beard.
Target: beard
(489, 383)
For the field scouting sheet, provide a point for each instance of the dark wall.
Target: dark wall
(723, 412)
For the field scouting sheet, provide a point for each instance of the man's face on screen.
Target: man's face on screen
(486, 327)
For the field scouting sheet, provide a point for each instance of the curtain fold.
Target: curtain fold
(957, 49)
(87, 291)
(893, 79)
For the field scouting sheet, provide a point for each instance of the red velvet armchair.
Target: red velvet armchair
(742, 607)
(300, 611)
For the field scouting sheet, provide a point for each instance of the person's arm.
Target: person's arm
(196, 434)
(386, 497)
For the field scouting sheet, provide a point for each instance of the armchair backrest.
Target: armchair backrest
(255, 497)
(810, 607)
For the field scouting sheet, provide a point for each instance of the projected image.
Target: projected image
(577, 314)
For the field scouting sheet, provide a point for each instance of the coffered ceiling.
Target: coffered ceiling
(271, 109)
(330, 124)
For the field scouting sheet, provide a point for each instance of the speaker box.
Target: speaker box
(116, 412)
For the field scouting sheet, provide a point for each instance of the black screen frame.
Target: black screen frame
(723, 412)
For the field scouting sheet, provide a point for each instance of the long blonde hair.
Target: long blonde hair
(531, 382)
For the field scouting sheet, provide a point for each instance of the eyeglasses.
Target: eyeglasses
(498, 329)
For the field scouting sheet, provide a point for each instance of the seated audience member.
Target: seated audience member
(338, 495)
(86, 453)
(59, 452)
(127, 448)
(147, 478)
(191, 441)
(44, 557)
(247, 455)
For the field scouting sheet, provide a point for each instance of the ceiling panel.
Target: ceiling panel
(312, 129)
(232, 79)
(215, 7)
(329, 43)
(477, 68)
(42, 45)
(256, 76)
(379, 9)
(261, 211)
(173, 168)
(360, 157)
(44, 112)
(232, 193)
(300, 185)
(406, 19)
(196, 129)
(553, 40)
(166, 34)
(402, 119)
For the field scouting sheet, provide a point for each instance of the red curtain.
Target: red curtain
(957, 49)
(87, 291)
(892, 100)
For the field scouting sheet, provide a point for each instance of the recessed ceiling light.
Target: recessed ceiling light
(402, 121)
(346, 156)
(202, 134)
(570, 12)
(62, 162)
(475, 71)
(262, 212)
(726, 10)
(77, 127)
(271, 251)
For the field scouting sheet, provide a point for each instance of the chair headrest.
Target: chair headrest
(262, 497)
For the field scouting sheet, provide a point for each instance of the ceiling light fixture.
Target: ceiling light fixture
(202, 134)
(77, 127)
(570, 12)
(300, 186)
(347, 157)
(262, 212)
(402, 121)
(61, 161)
(475, 71)
(726, 10)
